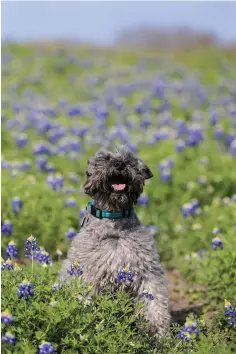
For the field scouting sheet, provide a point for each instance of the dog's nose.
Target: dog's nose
(119, 165)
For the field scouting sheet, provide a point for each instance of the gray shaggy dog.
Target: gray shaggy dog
(104, 245)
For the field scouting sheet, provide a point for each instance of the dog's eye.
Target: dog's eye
(88, 174)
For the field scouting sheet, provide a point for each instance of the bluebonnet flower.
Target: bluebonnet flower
(146, 293)
(130, 276)
(75, 111)
(186, 209)
(21, 140)
(230, 137)
(140, 108)
(233, 148)
(59, 253)
(42, 163)
(153, 229)
(46, 348)
(184, 336)
(50, 168)
(145, 123)
(9, 338)
(79, 131)
(17, 268)
(216, 243)
(71, 233)
(68, 144)
(57, 286)
(42, 256)
(166, 165)
(55, 134)
(213, 119)
(230, 313)
(133, 148)
(43, 149)
(218, 133)
(143, 200)
(69, 190)
(25, 290)
(75, 268)
(189, 331)
(11, 250)
(82, 213)
(194, 255)
(191, 208)
(165, 176)
(43, 125)
(123, 275)
(55, 181)
(7, 265)
(6, 228)
(233, 198)
(71, 202)
(6, 317)
(195, 136)
(31, 246)
(130, 124)
(162, 134)
(25, 165)
(180, 145)
(74, 178)
(202, 180)
(216, 231)
(16, 205)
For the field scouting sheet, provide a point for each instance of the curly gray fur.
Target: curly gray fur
(105, 245)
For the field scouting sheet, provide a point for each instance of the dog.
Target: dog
(112, 240)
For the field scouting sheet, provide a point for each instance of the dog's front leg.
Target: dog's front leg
(153, 293)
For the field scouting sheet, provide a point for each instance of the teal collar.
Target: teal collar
(100, 214)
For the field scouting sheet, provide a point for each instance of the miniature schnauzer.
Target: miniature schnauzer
(112, 237)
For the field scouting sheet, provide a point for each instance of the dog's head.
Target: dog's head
(115, 180)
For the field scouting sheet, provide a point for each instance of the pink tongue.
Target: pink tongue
(118, 187)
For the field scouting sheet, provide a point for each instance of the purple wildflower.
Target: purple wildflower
(25, 290)
(143, 200)
(7, 228)
(71, 233)
(31, 247)
(75, 268)
(230, 313)
(12, 250)
(56, 286)
(71, 202)
(7, 265)
(6, 317)
(146, 293)
(16, 205)
(46, 348)
(216, 243)
(9, 338)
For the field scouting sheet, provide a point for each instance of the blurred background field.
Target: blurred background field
(166, 89)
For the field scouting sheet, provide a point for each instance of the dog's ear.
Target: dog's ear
(147, 173)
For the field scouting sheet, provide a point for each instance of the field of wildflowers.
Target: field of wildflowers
(59, 105)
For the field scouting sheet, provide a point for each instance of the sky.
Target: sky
(100, 22)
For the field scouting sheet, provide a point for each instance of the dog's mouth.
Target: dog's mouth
(118, 183)
(118, 187)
